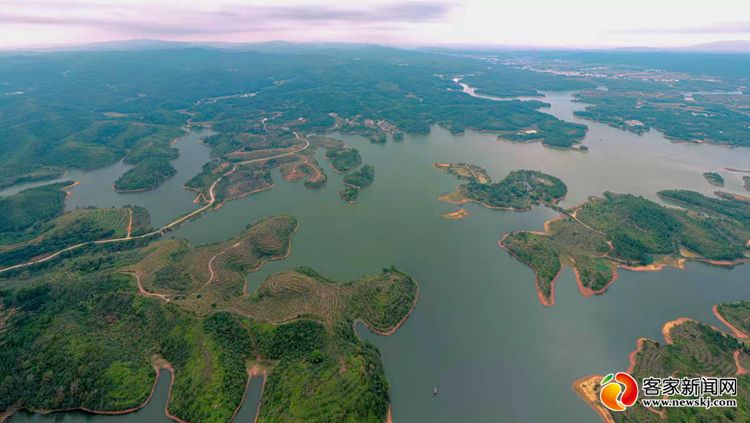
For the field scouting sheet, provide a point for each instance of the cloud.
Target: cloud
(399, 12)
(154, 20)
(737, 27)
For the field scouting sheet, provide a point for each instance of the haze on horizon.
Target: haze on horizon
(543, 23)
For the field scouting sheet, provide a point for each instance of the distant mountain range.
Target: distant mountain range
(734, 46)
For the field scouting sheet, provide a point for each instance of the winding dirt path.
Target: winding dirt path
(143, 291)
(130, 225)
(211, 272)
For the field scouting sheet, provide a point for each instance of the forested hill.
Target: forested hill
(90, 109)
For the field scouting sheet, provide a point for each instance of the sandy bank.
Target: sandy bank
(586, 389)
(735, 331)
(456, 215)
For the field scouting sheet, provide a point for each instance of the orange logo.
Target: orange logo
(619, 391)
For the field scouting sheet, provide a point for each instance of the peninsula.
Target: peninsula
(623, 230)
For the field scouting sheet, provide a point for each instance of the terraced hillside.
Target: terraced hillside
(216, 271)
(298, 328)
(242, 182)
(736, 316)
(73, 228)
(343, 366)
(381, 301)
(622, 230)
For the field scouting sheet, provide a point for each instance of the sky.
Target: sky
(543, 23)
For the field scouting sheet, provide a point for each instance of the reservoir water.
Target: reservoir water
(478, 333)
(165, 203)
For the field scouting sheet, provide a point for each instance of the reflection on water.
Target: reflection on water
(479, 333)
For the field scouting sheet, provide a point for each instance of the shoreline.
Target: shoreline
(666, 330)
(584, 387)
(735, 331)
(588, 292)
(243, 195)
(633, 354)
(158, 365)
(254, 371)
(68, 188)
(464, 200)
(130, 191)
(391, 331)
(731, 169)
(268, 260)
(398, 325)
(348, 201)
(547, 302)
(461, 213)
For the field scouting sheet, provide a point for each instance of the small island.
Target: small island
(746, 182)
(623, 230)
(349, 194)
(521, 190)
(355, 181)
(456, 215)
(714, 179)
(147, 175)
(343, 159)
(361, 178)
